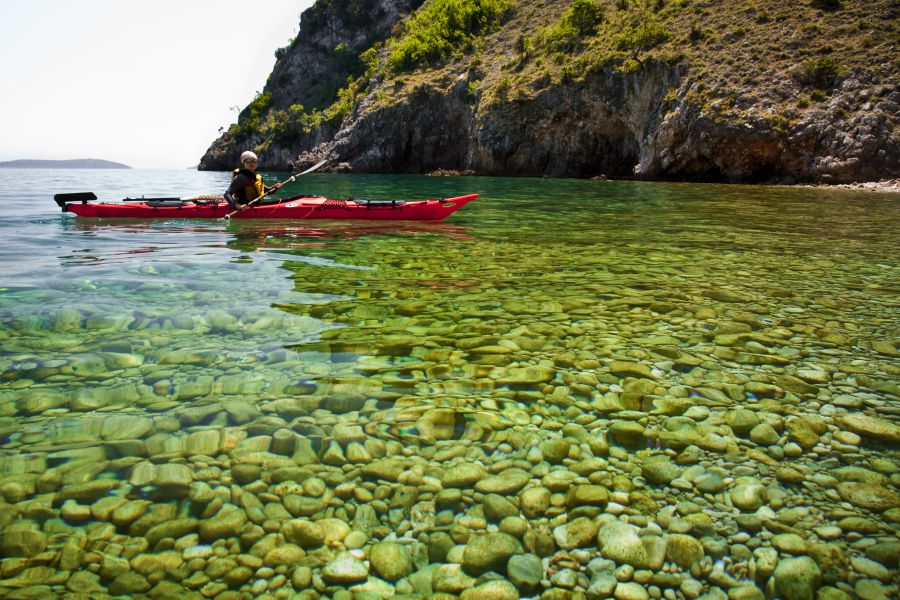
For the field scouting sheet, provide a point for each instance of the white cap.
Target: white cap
(247, 156)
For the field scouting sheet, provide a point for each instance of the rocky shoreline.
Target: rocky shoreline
(885, 186)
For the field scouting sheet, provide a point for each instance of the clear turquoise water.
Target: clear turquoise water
(308, 306)
(546, 308)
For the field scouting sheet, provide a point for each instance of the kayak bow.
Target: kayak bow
(296, 208)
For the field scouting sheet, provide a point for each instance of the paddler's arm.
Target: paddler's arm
(231, 195)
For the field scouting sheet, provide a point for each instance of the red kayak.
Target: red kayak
(297, 208)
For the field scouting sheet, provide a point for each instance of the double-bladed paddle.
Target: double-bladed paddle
(288, 180)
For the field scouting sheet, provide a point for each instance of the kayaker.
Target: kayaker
(246, 184)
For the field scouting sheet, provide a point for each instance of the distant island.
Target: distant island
(77, 163)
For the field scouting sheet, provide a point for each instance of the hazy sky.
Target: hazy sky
(148, 84)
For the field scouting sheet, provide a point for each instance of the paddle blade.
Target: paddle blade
(311, 169)
(62, 199)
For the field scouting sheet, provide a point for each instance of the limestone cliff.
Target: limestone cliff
(721, 90)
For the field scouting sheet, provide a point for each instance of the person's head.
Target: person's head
(248, 160)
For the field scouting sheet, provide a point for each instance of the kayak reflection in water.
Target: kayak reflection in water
(246, 184)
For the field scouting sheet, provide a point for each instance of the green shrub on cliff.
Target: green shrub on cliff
(440, 28)
(641, 37)
(583, 16)
(285, 126)
(578, 22)
(249, 120)
(819, 72)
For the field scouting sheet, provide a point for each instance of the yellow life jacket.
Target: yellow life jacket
(252, 192)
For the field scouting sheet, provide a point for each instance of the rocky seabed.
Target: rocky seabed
(652, 432)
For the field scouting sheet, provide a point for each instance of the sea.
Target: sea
(652, 344)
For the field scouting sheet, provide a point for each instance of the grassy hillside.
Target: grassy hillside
(735, 49)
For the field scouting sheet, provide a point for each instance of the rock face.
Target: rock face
(311, 69)
(653, 118)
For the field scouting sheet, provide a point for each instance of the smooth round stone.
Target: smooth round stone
(233, 576)
(173, 480)
(535, 501)
(764, 435)
(192, 552)
(129, 583)
(201, 493)
(846, 437)
(660, 469)
(789, 475)
(554, 451)
(872, 427)
(602, 585)
(75, 513)
(84, 582)
(18, 541)
(793, 450)
(489, 552)
(525, 571)
(710, 483)
(627, 433)
(125, 427)
(508, 482)
(355, 539)
(315, 487)
(683, 550)
(172, 528)
(691, 588)
(830, 593)
(828, 532)
(514, 526)
(887, 553)
(335, 530)
(357, 454)
(390, 561)
(301, 578)
(620, 542)
(630, 369)
(631, 591)
(497, 508)
(463, 476)
(741, 421)
(245, 473)
(579, 533)
(869, 495)
(559, 480)
(869, 589)
(790, 543)
(450, 579)
(746, 592)
(129, 512)
(870, 568)
(797, 578)
(587, 495)
(832, 560)
(491, 590)
(748, 497)
(345, 569)
(87, 493)
(226, 523)
(564, 578)
(697, 413)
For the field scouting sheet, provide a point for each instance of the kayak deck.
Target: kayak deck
(296, 208)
